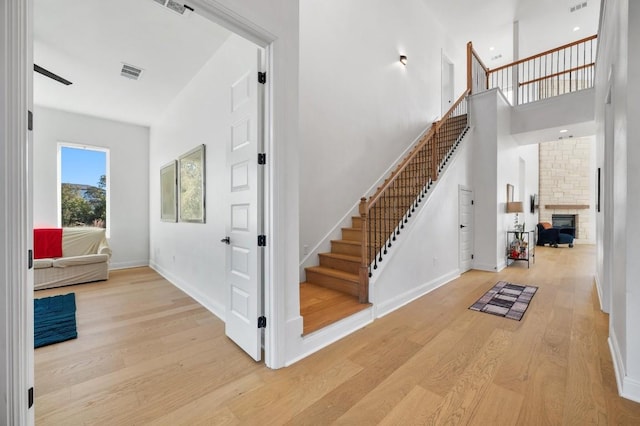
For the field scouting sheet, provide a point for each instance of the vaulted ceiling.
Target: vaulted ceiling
(489, 24)
(88, 41)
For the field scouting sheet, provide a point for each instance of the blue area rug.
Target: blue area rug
(54, 319)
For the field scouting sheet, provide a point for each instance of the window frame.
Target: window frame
(107, 151)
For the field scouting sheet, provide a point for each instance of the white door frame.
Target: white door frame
(16, 287)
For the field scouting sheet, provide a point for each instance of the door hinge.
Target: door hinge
(30, 254)
(262, 322)
(471, 257)
(262, 77)
(29, 120)
(262, 158)
(262, 240)
(30, 396)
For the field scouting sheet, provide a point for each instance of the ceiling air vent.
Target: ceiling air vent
(175, 6)
(575, 7)
(130, 71)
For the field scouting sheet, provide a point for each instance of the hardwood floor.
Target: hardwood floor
(148, 354)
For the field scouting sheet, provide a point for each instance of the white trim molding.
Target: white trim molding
(628, 387)
(16, 284)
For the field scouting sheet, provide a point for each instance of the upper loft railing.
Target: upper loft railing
(385, 213)
(565, 69)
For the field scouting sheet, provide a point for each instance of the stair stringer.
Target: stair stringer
(398, 279)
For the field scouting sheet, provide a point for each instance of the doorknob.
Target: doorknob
(226, 240)
(462, 226)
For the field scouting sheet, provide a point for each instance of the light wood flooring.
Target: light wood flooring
(148, 354)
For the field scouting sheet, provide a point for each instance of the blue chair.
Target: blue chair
(555, 236)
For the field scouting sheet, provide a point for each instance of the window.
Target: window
(83, 192)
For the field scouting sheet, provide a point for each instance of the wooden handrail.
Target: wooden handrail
(423, 141)
(384, 214)
(536, 56)
(592, 64)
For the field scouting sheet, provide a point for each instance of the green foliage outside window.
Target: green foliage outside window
(84, 205)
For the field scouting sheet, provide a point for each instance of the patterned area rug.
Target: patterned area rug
(506, 300)
(54, 319)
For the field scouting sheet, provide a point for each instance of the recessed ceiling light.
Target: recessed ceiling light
(492, 48)
(563, 131)
(576, 29)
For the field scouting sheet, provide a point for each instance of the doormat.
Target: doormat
(506, 300)
(54, 319)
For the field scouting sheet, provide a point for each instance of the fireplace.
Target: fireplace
(566, 221)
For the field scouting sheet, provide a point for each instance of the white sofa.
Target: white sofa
(85, 258)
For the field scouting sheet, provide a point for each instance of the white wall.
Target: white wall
(618, 61)
(359, 106)
(497, 162)
(426, 254)
(128, 146)
(190, 254)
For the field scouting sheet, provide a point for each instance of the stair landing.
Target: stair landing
(321, 306)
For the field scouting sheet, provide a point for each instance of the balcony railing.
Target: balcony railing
(565, 69)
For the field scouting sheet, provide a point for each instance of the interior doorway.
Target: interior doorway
(465, 233)
(447, 84)
(250, 92)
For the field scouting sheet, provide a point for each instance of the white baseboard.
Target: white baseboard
(487, 267)
(628, 387)
(307, 345)
(599, 290)
(214, 307)
(129, 264)
(382, 309)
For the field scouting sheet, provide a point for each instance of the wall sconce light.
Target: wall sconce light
(403, 60)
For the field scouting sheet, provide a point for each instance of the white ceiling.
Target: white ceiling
(87, 41)
(543, 24)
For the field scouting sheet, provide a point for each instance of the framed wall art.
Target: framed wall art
(168, 192)
(509, 193)
(191, 186)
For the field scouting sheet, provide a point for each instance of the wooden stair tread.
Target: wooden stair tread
(323, 306)
(334, 273)
(342, 257)
(351, 242)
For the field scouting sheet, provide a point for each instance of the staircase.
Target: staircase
(338, 286)
(339, 269)
(330, 292)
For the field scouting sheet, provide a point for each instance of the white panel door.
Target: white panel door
(447, 76)
(465, 209)
(244, 215)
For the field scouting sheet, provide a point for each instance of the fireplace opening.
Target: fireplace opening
(568, 222)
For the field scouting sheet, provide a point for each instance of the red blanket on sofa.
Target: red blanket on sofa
(47, 242)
